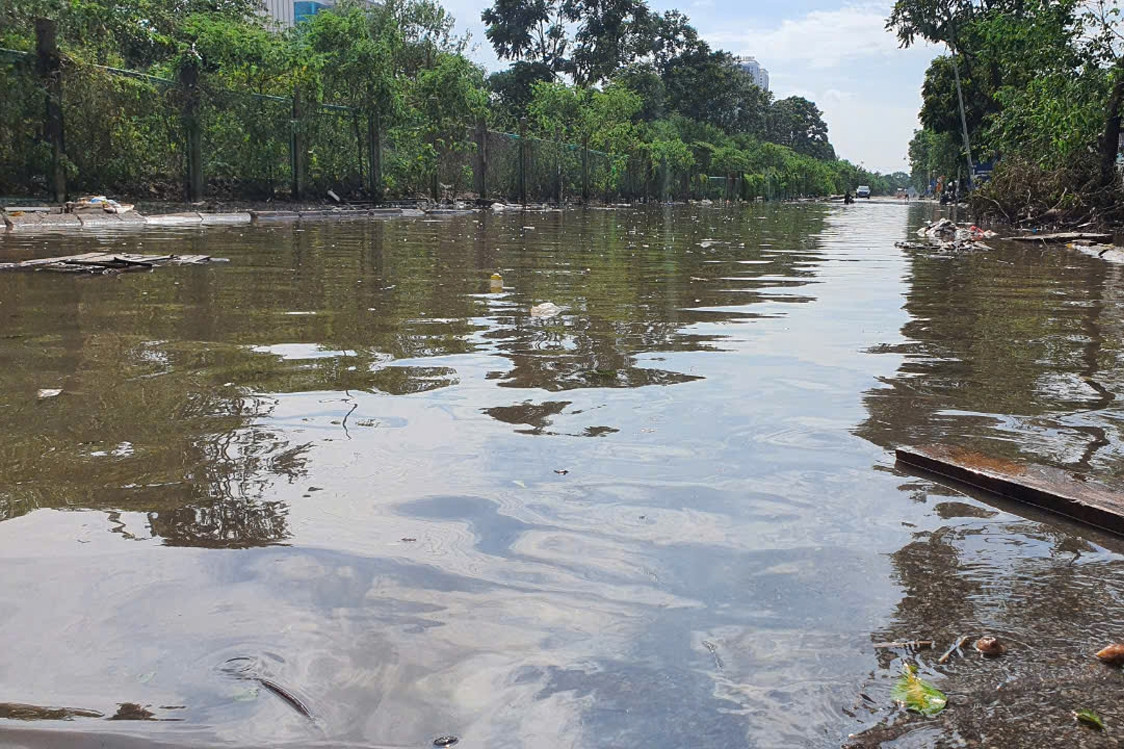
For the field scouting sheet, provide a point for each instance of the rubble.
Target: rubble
(949, 237)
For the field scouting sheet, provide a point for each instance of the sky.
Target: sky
(838, 54)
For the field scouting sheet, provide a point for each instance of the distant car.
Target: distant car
(863, 191)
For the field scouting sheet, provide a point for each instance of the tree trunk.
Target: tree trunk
(1110, 140)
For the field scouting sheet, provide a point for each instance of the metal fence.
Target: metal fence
(130, 133)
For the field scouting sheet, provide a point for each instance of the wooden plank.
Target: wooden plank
(1065, 236)
(96, 260)
(24, 264)
(1045, 487)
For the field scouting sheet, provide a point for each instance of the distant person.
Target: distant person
(847, 199)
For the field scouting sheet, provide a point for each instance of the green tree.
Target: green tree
(798, 123)
(588, 39)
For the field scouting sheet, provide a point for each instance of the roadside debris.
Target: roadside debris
(545, 310)
(1112, 655)
(1077, 497)
(1109, 252)
(949, 237)
(990, 647)
(247, 668)
(1089, 718)
(107, 262)
(45, 393)
(955, 649)
(1065, 236)
(910, 644)
(916, 694)
(93, 203)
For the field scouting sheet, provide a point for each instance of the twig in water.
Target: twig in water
(960, 642)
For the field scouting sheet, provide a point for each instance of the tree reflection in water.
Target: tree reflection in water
(1016, 353)
(170, 379)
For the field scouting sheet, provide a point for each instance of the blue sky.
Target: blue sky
(835, 53)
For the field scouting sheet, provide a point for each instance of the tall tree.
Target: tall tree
(798, 123)
(588, 39)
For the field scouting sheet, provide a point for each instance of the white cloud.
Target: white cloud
(834, 94)
(820, 39)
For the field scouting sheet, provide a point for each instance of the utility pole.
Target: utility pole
(963, 117)
(193, 128)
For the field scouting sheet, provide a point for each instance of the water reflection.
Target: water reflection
(170, 380)
(417, 538)
(1014, 352)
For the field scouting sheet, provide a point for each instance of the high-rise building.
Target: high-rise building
(288, 12)
(759, 74)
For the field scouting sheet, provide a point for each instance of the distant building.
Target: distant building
(759, 74)
(288, 12)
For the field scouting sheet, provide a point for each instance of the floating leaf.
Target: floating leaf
(991, 647)
(1089, 718)
(917, 694)
(1113, 654)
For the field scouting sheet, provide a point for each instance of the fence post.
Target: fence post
(296, 146)
(665, 187)
(523, 160)
(585, 168)
(433, 124)
(193, 129)
(480, 171)
(49, 67)
(374, 155)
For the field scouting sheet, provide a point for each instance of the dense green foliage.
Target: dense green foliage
(1041, 84)
(614, 101)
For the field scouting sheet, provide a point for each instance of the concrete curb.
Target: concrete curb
(174, 219)
(41, 221)
(110, 220)
(225, 219)
(37, 219)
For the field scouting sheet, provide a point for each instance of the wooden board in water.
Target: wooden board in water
(95, 261)
(1044, 487)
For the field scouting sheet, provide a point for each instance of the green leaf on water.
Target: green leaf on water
(916, 694)
(1089, 718)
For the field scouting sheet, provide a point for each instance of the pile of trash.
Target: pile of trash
(97, 203)
(949, 236)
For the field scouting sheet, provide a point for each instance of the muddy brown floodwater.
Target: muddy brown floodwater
(346, 492)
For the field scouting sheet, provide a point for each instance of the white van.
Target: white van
(863, 191)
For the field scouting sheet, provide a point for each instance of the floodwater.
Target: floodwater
(346, 491)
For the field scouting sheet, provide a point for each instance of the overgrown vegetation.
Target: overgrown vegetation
(603, 99)
(1042, 84)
